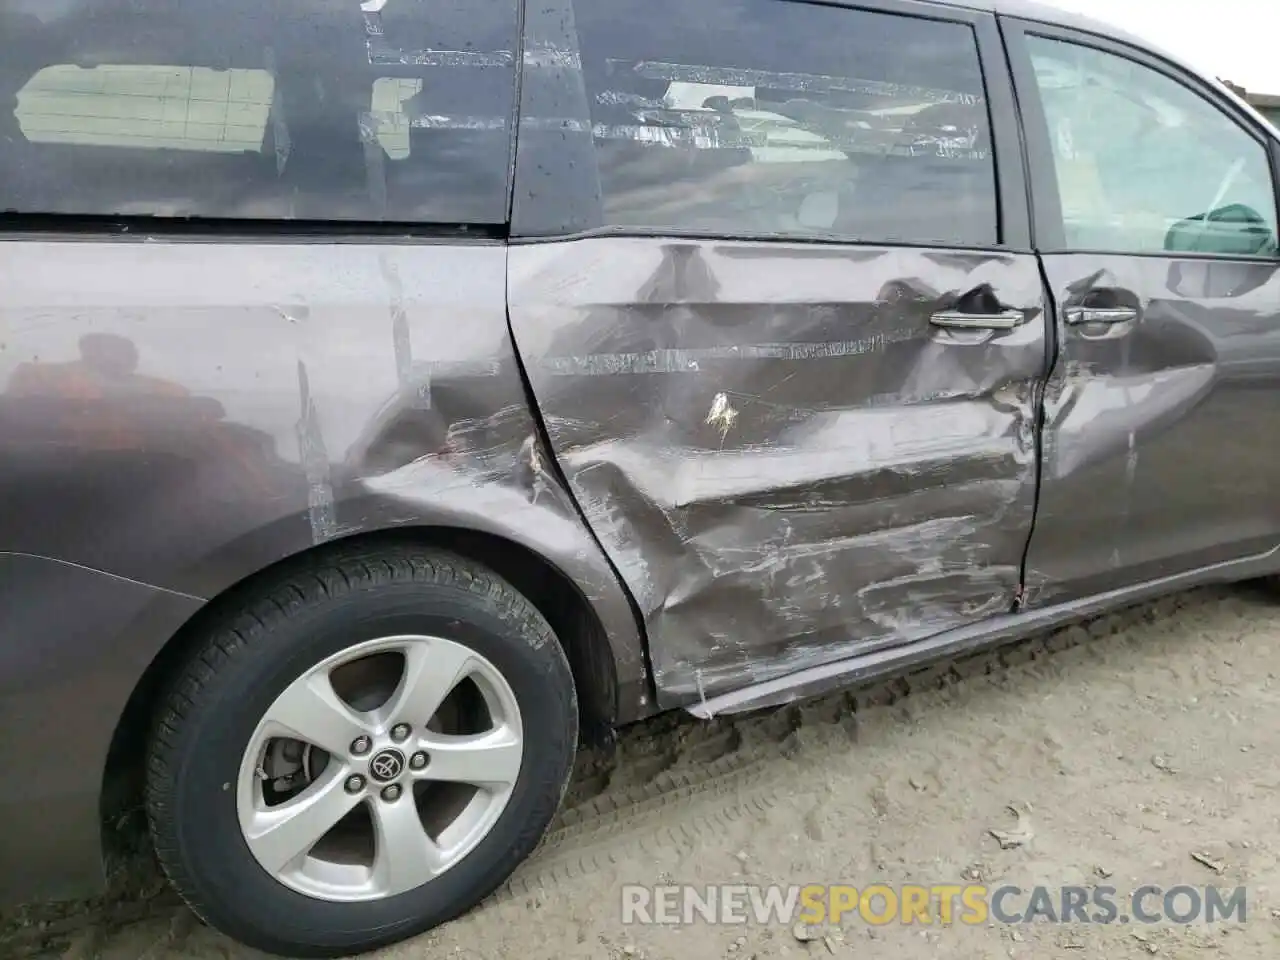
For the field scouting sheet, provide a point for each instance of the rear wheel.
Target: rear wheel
(366, 750)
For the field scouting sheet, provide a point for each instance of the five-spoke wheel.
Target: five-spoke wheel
(345, 760)
(381, 798)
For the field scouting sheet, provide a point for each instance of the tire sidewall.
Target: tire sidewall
(233, 889)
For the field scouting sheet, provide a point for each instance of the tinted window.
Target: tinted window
(761, 117)
(1144, 164)
(285, 109)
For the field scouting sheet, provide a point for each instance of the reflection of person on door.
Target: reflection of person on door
(107, 367)
(101, 403)
(96, 390)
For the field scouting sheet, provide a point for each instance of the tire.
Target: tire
(250, 663)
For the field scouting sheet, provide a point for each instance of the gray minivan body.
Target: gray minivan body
(520, 285)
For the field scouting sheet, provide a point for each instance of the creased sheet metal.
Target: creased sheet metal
(784, 459)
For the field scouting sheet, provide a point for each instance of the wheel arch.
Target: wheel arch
(575, 620)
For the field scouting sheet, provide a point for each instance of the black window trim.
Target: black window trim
(1013, 223)
(1048, 229)
(143, 228)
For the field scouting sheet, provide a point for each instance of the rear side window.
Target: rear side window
(390, 110)
(762, 117)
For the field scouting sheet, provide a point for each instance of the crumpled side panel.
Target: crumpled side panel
(187, 414)
(784, 459)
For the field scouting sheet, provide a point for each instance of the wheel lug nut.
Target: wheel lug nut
(360, 746)
(391, 792)
(418, 761)
(355, 783)
(400, 732)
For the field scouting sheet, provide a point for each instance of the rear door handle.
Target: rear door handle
(1006, 320)
(1082, 315)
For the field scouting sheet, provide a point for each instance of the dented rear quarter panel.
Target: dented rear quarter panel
(183, 414)
(785, 461)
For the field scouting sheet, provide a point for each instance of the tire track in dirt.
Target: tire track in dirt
(670, 781)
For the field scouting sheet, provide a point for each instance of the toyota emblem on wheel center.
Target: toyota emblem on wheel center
(386, 765)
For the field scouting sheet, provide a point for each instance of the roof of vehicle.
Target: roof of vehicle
(1047, 13)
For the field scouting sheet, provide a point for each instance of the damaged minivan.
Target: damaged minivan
(396, 395)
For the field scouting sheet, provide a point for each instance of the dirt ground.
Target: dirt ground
(1141, 747)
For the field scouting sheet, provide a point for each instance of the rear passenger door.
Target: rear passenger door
(1156, 216)
(781, 318)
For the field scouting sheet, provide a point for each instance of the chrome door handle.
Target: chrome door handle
(1006, 320)
(1082, 315)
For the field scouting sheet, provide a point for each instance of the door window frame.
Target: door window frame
(1013, 212)
(1048, 228)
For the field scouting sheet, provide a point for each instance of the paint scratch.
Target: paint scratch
(321, 512)
(721, 415)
